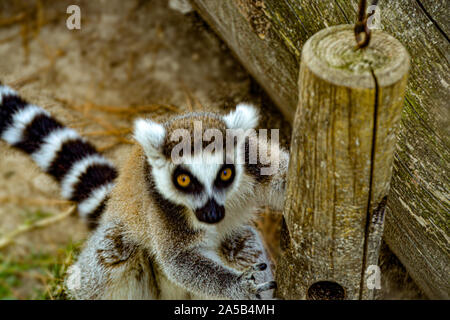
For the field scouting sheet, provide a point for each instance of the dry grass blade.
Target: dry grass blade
(9, 238)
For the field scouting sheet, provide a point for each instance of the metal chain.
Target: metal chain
(361, 25)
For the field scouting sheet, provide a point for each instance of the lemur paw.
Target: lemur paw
(249, 288)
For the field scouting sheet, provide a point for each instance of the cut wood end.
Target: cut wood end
(332, 54)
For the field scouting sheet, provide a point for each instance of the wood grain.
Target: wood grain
(342, 150)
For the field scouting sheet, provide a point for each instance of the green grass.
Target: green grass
(37, 276)
(31, 216)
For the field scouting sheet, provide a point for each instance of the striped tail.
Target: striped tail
(85, 176)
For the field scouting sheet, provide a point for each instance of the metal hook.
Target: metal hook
(361, 25)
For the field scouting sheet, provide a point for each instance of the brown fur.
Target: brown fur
(128, 203)
(149, 247)
(239, 251)
(208, 120)
(146, 233)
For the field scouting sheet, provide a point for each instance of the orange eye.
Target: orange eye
(226, 174)
(183, 180)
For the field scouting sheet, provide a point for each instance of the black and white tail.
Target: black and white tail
(85, 176)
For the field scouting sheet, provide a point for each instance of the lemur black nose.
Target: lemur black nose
(211, 212)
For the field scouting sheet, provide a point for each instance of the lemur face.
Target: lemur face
(192, 168)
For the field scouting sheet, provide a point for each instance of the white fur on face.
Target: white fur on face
(244, 117)
(238, 198)
(203, 168)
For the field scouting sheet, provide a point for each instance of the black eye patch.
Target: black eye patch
(194, 186)
(225, 176)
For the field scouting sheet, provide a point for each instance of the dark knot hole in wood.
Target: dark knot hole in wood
(326, 290)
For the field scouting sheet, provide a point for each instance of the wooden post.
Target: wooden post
(343, 141)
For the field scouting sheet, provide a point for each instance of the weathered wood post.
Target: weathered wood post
(343, 141)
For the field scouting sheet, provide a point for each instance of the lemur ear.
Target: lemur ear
(150, 136)
(244, 117)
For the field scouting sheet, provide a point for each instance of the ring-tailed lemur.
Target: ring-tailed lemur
(174, 231)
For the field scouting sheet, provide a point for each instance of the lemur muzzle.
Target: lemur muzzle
(211, 212)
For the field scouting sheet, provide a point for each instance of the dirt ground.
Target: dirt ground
(129, 59)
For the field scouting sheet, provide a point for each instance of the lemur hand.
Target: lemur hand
(247, 286)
